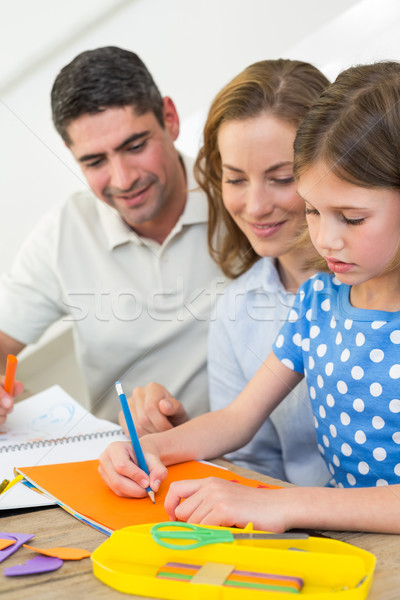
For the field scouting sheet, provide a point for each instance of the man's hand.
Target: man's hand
(7, 401)
(153, 410)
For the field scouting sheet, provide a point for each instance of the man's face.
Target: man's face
(130, 162)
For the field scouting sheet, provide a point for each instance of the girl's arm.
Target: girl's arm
(208, 436)
(217, 502)
(213, 434)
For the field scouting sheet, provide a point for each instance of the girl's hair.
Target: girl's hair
(285, 89)
(354, 128)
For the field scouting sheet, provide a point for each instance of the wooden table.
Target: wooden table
(55, 527)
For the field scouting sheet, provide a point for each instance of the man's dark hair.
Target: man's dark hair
(99, 79)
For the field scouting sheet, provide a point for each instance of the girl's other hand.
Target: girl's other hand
(214, 501)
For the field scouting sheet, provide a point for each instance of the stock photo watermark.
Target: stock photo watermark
(172, 304)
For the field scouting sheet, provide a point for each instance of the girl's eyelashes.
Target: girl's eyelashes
(313, 211)
(310, 211)
(353, 221)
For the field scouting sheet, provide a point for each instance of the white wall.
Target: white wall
(367, 32)
(191, 47)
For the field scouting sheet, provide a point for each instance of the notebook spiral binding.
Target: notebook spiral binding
(57, 441)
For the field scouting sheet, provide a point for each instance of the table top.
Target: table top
(55, 527)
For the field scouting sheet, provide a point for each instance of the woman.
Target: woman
(245, 167)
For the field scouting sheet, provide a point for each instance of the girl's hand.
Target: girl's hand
(153, 410)
(214, 501)
(7, 401)
(120, 472)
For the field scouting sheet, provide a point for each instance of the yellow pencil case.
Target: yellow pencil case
(130, 561)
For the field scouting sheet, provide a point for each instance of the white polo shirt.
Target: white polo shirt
(140, 310)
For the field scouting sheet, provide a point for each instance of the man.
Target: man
(126, 262)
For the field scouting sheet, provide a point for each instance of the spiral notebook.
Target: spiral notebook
(49, 428)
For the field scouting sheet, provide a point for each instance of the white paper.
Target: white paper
(49, 415)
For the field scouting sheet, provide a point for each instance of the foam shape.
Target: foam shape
(38, 564)
(60, 552)
(17, 538)
(6, 543)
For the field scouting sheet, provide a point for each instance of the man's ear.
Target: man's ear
(171, 119)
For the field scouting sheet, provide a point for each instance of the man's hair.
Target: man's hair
(104, 78)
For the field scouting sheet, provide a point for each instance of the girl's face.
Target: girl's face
(258, 188)
(356, 229)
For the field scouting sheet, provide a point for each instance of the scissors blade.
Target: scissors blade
(271, 536)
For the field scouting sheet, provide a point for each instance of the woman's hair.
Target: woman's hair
(285, 89)
(354, 129)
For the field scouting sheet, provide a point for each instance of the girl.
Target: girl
(342, 333)
(245, 167)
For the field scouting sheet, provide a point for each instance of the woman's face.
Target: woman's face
(258, 187)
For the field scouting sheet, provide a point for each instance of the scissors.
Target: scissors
(190, 536)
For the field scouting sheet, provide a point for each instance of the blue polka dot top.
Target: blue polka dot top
(351, 359)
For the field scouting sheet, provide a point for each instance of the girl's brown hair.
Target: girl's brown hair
(354, 129)
(285, 89)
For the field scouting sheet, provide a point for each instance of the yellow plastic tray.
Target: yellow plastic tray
(129, 560)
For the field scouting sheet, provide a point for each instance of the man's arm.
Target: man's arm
(8, 345)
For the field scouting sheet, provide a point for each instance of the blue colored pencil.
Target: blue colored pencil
(134, 436)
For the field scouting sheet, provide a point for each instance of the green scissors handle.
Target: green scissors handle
(194, 536)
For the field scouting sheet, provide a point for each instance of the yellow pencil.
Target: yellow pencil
(11, 483)
(4, 484)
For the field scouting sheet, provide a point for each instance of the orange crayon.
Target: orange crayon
(11, 369)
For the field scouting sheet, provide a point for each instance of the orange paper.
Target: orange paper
(80, 488)
(60, 552)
